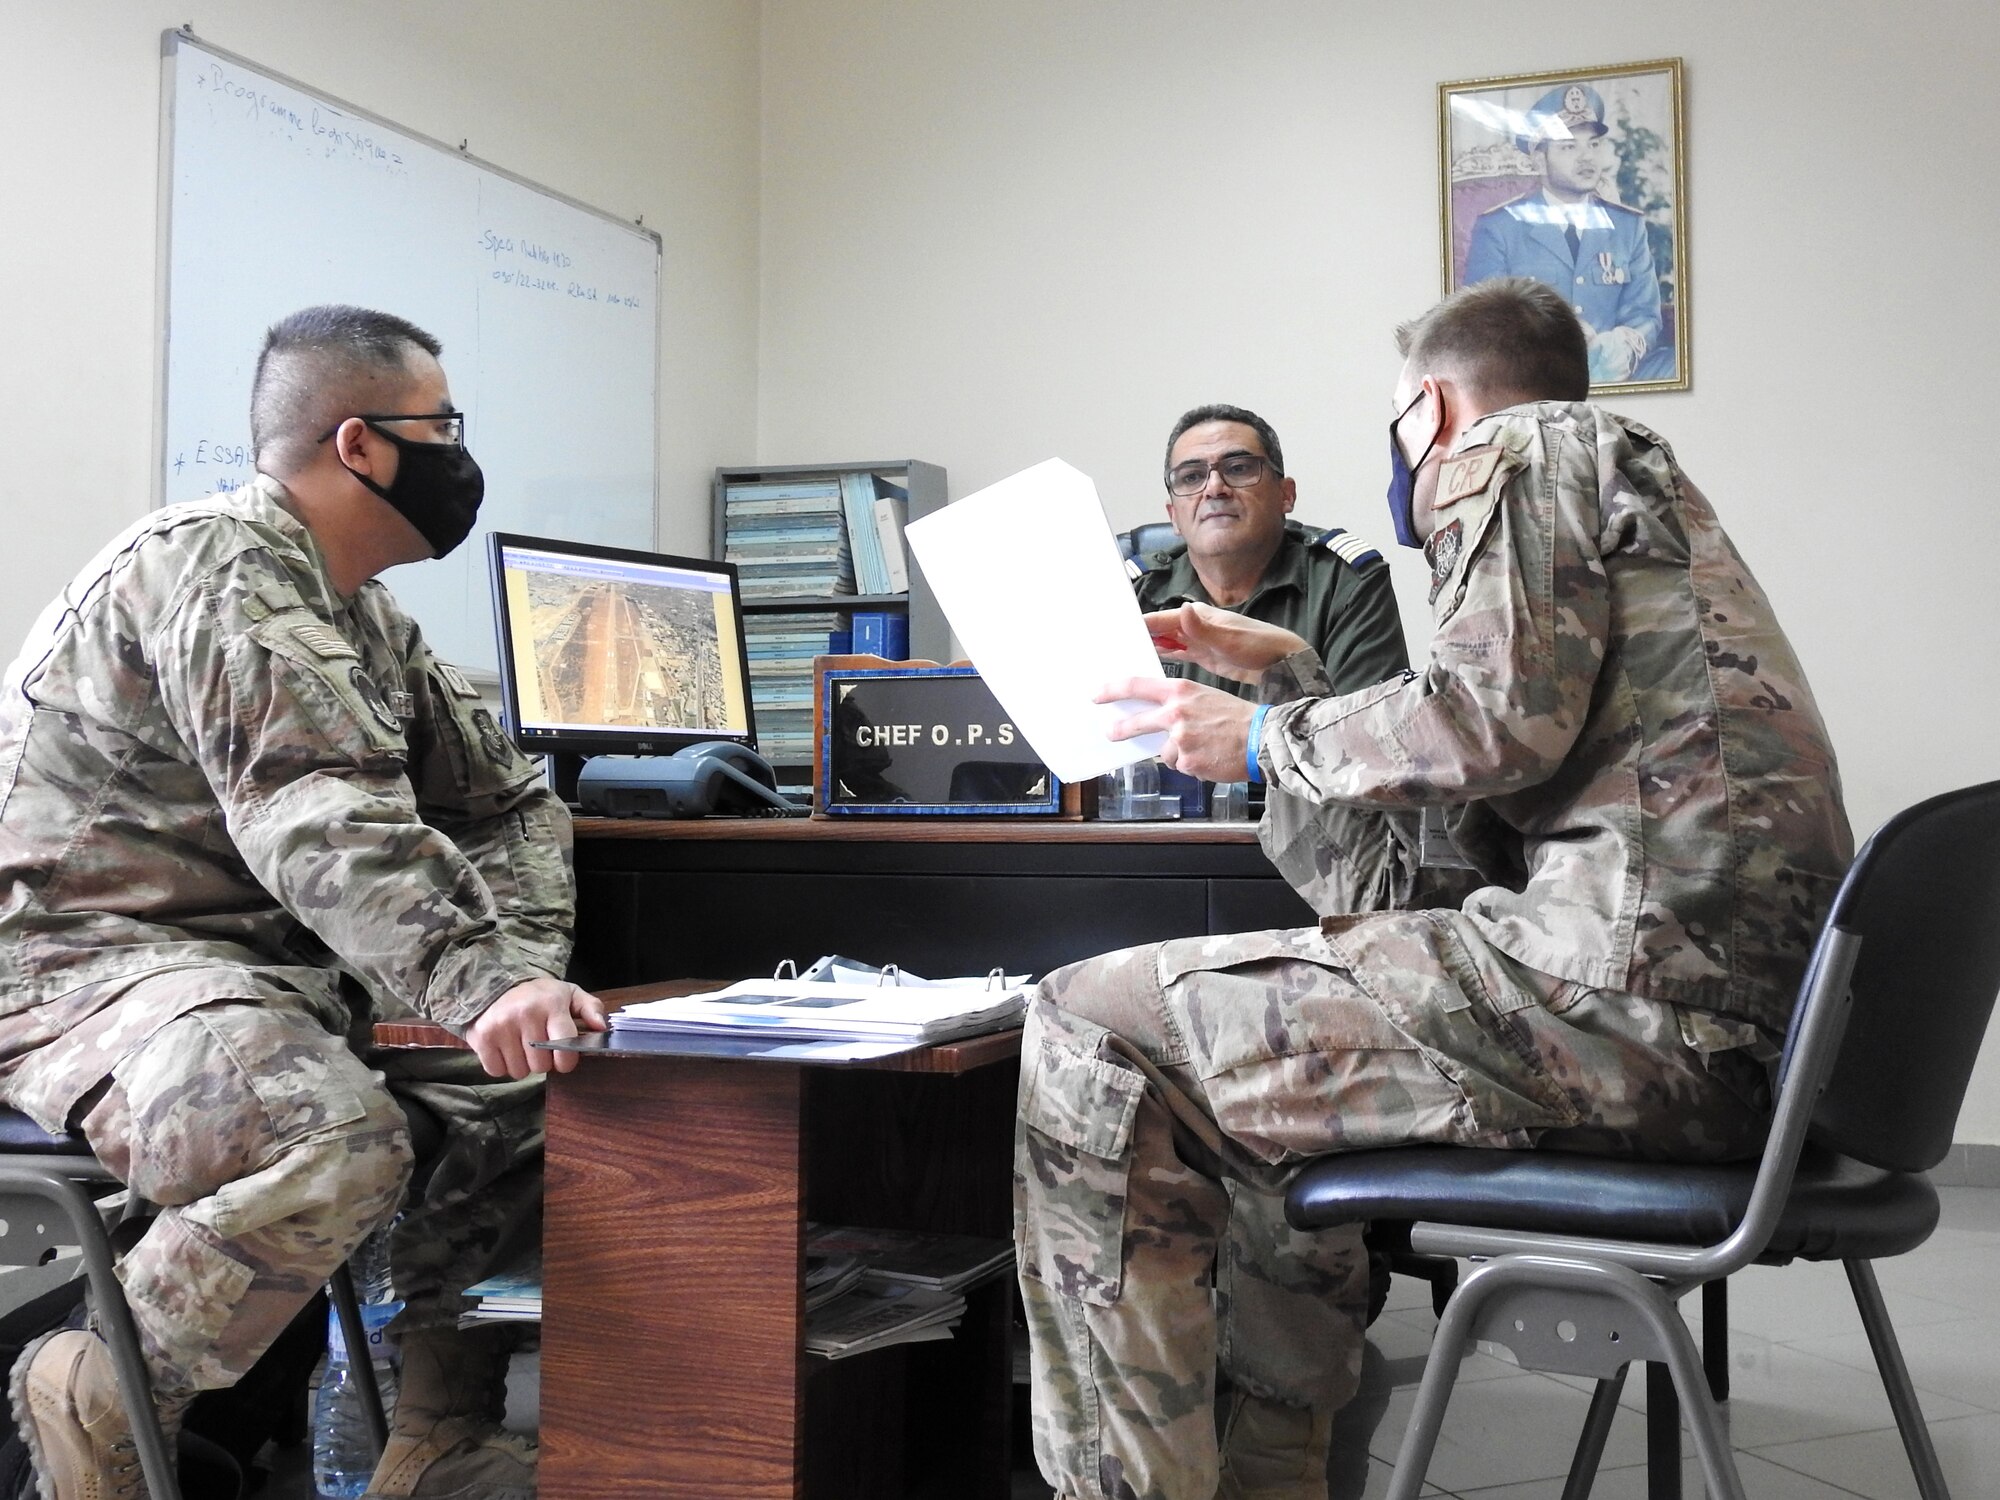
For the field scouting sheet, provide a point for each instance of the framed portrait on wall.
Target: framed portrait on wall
(1577, 179)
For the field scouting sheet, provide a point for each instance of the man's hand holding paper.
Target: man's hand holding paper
(1220, 641)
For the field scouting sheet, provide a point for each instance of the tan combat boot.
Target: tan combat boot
(1272, 1451)
(67, 1406)
(446, 1442)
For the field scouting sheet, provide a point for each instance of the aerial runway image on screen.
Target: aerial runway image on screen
(624, 646)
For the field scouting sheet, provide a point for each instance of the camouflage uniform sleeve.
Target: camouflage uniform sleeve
(308, 765)
(1522, 607)
(473, 785)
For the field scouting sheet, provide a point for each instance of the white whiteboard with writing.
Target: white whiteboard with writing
(279, 198)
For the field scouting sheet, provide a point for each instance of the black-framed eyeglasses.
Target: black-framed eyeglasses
(1238, 470)
(448, 425)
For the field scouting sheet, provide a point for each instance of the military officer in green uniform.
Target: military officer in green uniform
(1645, 784)
(1291, 1306)
(243, 809)
(1230, 499)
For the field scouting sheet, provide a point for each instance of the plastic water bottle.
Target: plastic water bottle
(343, 1453)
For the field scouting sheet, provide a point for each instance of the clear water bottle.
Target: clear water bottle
(343, 1452)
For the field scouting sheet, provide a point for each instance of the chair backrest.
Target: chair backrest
(1924, 898)
(1150, 537)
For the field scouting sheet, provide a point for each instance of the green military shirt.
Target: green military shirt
(1329, 588)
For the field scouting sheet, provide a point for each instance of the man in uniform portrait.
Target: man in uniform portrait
(243, 812)
(1632, 761)
(1570, 236)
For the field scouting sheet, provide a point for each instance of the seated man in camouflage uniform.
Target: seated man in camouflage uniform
(240, 800)
(1642, 778)
(1290, 1306)
(1229, 497)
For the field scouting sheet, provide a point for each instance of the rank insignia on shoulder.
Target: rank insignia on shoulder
(1348, 547)
(324, 642)
(1134, 569)
(456, 681)
(1467, 474)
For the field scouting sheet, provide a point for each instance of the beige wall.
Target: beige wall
(632, 106)
(996, 233)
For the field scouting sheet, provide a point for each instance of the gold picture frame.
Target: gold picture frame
(1577, 179)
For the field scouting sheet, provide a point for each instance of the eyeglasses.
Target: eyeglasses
(1238, 470)
(449, 426)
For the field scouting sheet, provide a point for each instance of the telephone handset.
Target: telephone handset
(730, 778)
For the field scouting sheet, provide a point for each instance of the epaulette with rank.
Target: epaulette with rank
(1134, 569)
(1348, 547)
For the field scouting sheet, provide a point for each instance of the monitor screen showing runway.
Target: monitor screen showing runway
(601, 643)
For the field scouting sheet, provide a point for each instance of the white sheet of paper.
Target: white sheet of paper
(1028, 573)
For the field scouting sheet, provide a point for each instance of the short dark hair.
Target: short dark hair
(322, 364)
(1510, 339)
(1250, 419)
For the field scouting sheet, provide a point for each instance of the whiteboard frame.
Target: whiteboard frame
(171, 41)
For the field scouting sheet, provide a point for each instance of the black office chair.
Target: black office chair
(39, 1171)
(1584, 1258)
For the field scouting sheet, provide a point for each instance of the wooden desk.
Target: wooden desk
(937, 895)
(678, 1192)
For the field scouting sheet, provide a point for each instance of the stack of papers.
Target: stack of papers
(907, 1014)
(912, 1257)
(830, 1275)
(514, 1297)
(874, 1316)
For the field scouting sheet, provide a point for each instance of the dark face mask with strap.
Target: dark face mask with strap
(1403, 480)
(437, 489)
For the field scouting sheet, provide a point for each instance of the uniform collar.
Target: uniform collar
(271, 503)
(1286, 569)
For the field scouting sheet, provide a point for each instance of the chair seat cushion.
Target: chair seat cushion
(23, 1136)
(1839, 1208)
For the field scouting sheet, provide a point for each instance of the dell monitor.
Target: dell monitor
(609, 651)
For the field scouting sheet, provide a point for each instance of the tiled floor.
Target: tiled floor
(1806, 1413)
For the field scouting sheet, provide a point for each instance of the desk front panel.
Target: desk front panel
(667, 905)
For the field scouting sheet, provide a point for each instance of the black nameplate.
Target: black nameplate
(925, 740)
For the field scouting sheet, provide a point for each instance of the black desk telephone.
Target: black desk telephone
(717, 777)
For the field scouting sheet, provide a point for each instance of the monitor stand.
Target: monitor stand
(563, 770)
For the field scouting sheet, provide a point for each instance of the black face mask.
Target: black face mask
(437, 489)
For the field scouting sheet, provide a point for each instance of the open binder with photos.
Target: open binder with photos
(840, 1000)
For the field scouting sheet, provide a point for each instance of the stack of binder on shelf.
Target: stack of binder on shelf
(512, 1297)
(787, 538)
(781, 648)
(875, 509)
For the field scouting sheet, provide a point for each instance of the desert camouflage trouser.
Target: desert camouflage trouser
(272, 1151)
(1152, 1078)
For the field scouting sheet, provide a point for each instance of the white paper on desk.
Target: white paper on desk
(1029, 575)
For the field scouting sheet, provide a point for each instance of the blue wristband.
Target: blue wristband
(1256, 738)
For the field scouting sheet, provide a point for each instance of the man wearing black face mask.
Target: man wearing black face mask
(243, 811)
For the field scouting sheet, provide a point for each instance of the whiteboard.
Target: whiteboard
(276, 197)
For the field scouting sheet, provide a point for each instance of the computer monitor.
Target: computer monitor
(609, 651)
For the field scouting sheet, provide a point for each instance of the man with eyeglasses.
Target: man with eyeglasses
(1636, 768)
(1229, 498)
(244, 810)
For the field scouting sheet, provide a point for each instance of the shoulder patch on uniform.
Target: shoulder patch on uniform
(455, 680)
(323, 641)
(1134, 569)
(1349, 548)
(1467, 474)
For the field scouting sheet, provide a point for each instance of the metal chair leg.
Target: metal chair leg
(114, 1322)
(1916, 1433)
(1596, 1431)
(360, 1364)
(1715, 1336)
(1663, 1435)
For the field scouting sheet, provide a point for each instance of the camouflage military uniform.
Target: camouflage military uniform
(1331, 589)
(1643, 777)
(233, 807)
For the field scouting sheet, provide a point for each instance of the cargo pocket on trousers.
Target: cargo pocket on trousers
(183, 1296)
(1077, 1113)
